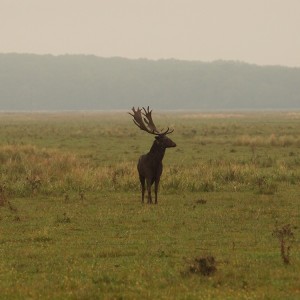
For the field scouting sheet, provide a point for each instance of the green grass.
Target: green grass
(72, 225)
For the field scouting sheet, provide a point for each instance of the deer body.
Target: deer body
(150, 165)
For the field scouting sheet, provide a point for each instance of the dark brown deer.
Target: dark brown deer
(150, 165)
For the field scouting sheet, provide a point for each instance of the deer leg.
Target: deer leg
(156, 189)
(142, 180)
(149, 191)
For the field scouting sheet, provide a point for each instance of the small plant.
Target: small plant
(208, 186)
(266, 186)
(81, 195)
(3, 199)
(67, 197)
(12, 207)
(34, 183)
(64, 219)
(286, 237)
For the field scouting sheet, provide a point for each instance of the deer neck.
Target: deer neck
(157, 152)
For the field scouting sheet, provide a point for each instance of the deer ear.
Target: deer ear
(157, 137)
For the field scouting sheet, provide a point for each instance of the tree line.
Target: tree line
(86, 82)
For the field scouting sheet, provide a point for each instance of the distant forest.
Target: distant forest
(85, 82)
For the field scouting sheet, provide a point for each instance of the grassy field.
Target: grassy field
(226, 225)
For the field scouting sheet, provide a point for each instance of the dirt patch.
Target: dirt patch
(205, 266)
(201, 201)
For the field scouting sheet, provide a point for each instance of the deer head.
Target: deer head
(142, 118)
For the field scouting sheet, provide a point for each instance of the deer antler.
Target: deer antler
(138, 120)
(148, 120)
(144, 121)
(168, 131)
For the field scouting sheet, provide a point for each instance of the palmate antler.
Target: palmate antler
(144, 121)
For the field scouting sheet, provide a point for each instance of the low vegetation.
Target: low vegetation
(226, 226)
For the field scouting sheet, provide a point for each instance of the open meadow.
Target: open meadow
(227, 223)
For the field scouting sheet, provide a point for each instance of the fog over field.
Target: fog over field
(81, 82)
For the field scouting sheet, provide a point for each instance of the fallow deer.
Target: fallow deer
(150, 165)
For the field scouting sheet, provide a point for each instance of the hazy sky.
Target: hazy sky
(256, 31)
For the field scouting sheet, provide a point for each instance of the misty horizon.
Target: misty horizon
(220, 60)
(85, 82)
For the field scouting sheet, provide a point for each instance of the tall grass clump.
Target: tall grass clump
(286, 238)
(196, 179)
(27, 170)
(221, 175)
(271, 140)
(208, 176)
